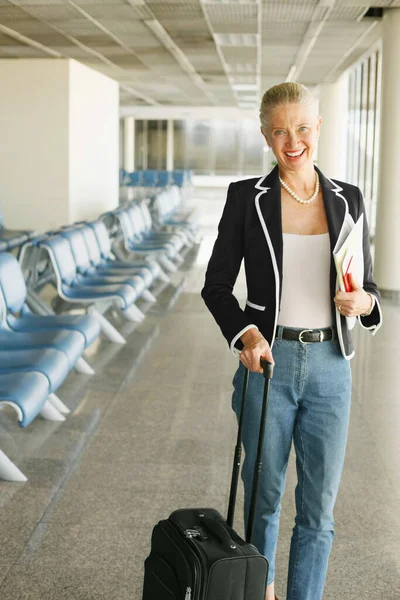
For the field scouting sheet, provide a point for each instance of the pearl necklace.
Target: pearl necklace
(296, 197)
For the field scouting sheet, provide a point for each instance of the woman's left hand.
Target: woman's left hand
(354, 303)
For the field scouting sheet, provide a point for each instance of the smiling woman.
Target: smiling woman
(291, 129)
(284, 226)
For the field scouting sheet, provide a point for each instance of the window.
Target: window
(363, 130)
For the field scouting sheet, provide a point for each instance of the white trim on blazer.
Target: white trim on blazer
(256, 306)
(264, 190)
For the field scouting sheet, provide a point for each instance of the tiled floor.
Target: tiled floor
(153, 431)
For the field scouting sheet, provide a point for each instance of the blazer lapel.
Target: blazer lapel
(336, 206)
(268, 205)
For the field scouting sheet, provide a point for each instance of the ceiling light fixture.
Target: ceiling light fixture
(248, 105)
(245, 87)
(248, 98)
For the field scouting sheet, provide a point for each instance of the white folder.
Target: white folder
(349, 247)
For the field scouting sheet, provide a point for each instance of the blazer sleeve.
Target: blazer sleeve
(222, 272)
(374, 320)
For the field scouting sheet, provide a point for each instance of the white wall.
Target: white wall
(34, 143)
(93, 142)
(59, 143)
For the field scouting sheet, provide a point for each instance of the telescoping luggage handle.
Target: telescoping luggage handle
(268, 369)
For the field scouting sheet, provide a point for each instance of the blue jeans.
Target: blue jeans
(309, 402)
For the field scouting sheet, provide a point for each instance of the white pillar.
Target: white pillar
(387, 239)
(170, 145)
(145, 146)
(332, 145)
(59, 124)
(129, 144)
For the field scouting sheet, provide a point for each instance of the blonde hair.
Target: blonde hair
(284, 93)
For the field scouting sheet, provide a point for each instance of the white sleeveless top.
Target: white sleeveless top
(306, 297)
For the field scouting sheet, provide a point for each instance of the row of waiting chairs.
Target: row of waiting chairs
(168, 211)
(37, 353)
(39, 350)
(153, 178)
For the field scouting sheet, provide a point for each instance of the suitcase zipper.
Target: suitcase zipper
(194, 576)
(196, 560)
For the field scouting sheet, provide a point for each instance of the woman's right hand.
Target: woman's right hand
(255, 347)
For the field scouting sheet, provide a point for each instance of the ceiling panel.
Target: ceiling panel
(52, 14)
(175, 9)
(38, 2)
(231, 12)
(347, 13)
(140, 43)
(239, 55)
(284, 12)
(232, 18)
(85, 3)
(118, 12)
(123, 27)
(27, 26)
(17, 51)
(280, 32)
(51, 39)
(11, 13)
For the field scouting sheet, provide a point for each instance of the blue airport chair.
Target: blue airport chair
(107, 258)
(134, 179)
(18, 316)
(149, 238)
(123, 176)
(149, 178)
(162, 218)
(178, 232)
(108, 270)
(69, 287)
(52, 363)
(71, 343)
(28, 393)
(87, 273)
(164, 178)
(162, 252)
(178, 177)
(167, 209)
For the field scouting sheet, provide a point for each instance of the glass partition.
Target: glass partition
(207, 146)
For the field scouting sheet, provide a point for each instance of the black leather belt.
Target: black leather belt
(307, 335)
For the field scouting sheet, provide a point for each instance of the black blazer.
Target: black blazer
(251, 229)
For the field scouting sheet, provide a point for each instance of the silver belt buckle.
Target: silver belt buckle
(301, 333)
(321, 335)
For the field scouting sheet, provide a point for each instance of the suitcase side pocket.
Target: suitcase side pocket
(160, 580)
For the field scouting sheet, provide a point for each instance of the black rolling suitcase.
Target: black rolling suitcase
(196, 555)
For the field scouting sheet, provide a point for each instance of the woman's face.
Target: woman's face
(292, 133)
